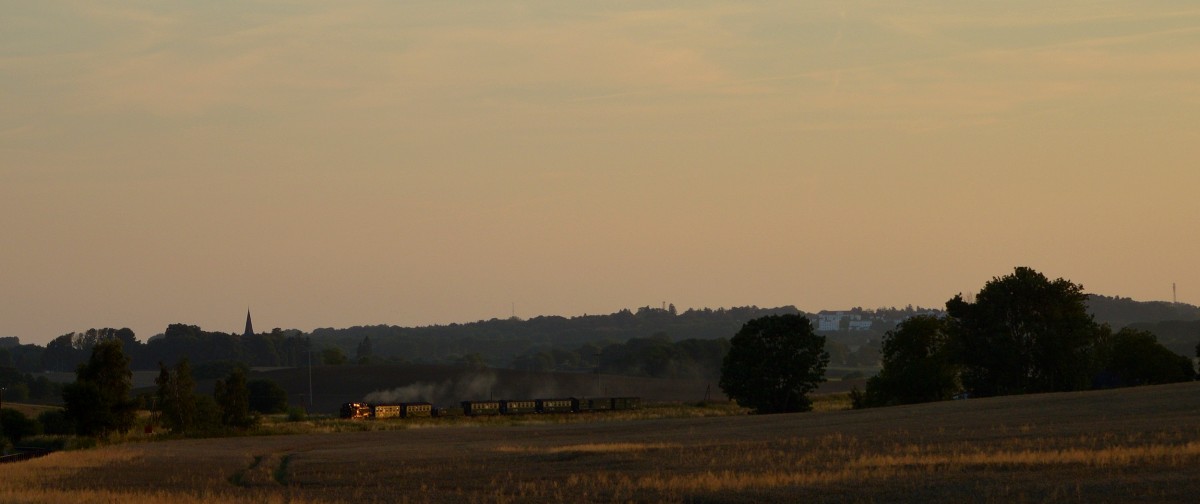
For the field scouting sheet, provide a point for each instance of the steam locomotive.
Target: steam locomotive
(487, 408)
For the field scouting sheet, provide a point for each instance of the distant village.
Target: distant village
(859, 319)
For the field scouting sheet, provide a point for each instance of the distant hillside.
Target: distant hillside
(1119, 312)
(499, 341)
(1180, 336)
(1177, 325)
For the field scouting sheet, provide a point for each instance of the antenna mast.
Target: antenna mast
(1174, 294)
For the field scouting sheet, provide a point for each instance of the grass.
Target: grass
(831, 402)
(30, 410)
(1132, 445)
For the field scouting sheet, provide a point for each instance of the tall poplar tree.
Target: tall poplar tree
(233, 397)
(176, 396)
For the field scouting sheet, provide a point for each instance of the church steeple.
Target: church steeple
(249, 326)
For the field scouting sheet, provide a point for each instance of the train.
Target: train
(361, 410)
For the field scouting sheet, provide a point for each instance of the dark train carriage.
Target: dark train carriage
(518, 407)
(554, 406)
(385, 410)
(449, 411)
(600, 403)
(626, 403)
(477, 408)
(355, 410)
(416, 410)
(579, 405)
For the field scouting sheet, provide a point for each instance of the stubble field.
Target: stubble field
(1131, 445)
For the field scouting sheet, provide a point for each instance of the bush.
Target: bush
(47, 442)
(296, 414)
(15, 425)
(55, 422)
(208, 414)
(17, 392)
(267, 397)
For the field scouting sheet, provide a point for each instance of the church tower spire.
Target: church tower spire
(249, 326)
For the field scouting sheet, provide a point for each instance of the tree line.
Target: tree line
(656, 356)
(507, 342)
(501, 342)
(498, 341)
(1023, 333)
(99, 404)
(276, 348)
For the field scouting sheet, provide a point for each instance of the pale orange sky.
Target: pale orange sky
(329, 164)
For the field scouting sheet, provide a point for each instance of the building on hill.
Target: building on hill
(832, 320)
(249, 325)
(864, 320)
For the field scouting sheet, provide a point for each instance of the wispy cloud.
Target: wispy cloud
(325, 59)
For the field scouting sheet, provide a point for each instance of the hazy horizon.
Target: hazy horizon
(417, 163)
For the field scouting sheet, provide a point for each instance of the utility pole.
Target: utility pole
(599, 391)
(310, 393)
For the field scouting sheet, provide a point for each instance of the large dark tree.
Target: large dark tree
(98, 402)
(1025, 333)
(918, 365)
(773, 363)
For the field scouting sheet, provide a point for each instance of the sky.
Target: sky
(332, 164)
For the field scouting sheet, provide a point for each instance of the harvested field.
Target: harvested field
(1130, 445)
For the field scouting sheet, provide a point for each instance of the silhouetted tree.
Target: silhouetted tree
(1134, 357)
(233, 398)
(773, 363)
(55, 422)
(98, 402)
(14, 425)
(61, 354)
(260, 350)
(918, 365)
(1024, 333)
(266, 397)
(176, 396)
(333, 356)
(364, 351)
